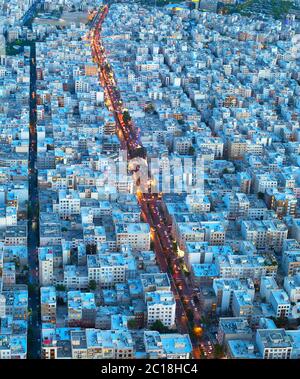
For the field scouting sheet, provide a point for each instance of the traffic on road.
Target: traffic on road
(152, 205)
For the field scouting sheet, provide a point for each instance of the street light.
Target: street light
(198, 331)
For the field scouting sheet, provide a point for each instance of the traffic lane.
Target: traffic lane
(161, 239)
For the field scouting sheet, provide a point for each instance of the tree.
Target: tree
(60, 301)
(16, 262)
(29, 210)
(175, 246)
(25, 268)
(30, 332)
(202, 355)
(203, 320)
(281, 322)
(191, 150)
(190, 315)
(36, 211)
(91, 249)
(126, 117)
(149, 108)
(32, 288)
(92, 285)
(218, 351)
(159, 327)
(132, 324)
(260, 195)
(187, 273)
(60, 287)
(139, 152)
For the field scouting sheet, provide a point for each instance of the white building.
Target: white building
(137, 235)
(267, 285)
(280, 303)
(161, 306)
(292, 287)
(274, 344)
(46, 259)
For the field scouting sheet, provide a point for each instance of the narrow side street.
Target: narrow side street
(33, 215)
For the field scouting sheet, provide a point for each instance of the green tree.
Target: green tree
(29, 211)
(149, 108)
(25, 268)
(32, 288)
(91, 249)
(190, 315)
(16, 262)
(202, 356)
(60, 301)
(260, 195)
(92, 285)
(60, 287)
(126, 117)
(191, 150)
(186, 273)
(159, 327)
(30, 332)
(132, 324)
(218, 351)
(175, 246)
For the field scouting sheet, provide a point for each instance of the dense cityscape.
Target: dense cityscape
(149, 180)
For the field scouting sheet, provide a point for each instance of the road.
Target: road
(33, 232)
(31, 11)
(152, 206)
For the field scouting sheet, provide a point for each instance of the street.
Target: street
(152, 206)
(33, 232)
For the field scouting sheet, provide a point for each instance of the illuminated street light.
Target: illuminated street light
(198, 331)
